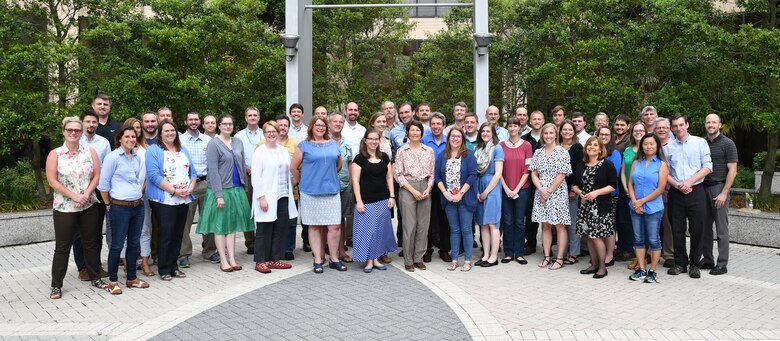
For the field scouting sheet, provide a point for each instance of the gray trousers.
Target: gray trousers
(417, 217)
(209, 246)
(574, 238)
(719, 216)
(668, 241)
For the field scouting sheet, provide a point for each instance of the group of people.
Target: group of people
(625, 189)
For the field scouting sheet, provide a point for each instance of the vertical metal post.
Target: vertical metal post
(298, 88)
(481, 81)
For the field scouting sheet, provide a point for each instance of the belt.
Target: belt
(713, 183)
(134, 203)
(201, 178)
(695, 187)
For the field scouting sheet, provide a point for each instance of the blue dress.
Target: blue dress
(489, 211)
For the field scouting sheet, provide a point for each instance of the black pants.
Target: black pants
(171, 219)
(439, 226)
(65, 227)
(271, 236)
(531, 228)
(78, 255)
(687, 211)
(624, 228)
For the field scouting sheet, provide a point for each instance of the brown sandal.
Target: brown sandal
(557, 264)
(453, 266)
(137, 283)
(113, 288)
(466, 266)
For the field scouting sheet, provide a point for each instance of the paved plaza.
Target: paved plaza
(506, 302)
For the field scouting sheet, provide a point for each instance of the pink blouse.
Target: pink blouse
(413, 164)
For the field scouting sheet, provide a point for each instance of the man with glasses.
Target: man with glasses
(661, 127)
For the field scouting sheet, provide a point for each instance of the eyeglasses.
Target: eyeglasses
(456, 137)
(372, 138)
(73, 131)
(319, 126)
(270, 132)
(661, 128)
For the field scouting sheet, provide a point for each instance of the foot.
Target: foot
(279, 265)
(427, 256)
(56, 293)
(571, 260)
(386, 259)
(289, 255)
(379, 266)
(529, 250)
(601, 275)
(346, 259)
(250, 251)
(184, 262)
(262, 267)
(546, 261)
(114, 289)
(557, 264)
(479, 262)
(706, 266)
(521, 260)
(611, 262)
(638, 275)
(420, 265)
(83, 275)
(409, 267)
(466, 266)
(214, 259)
(401, 254)
(506, 260)
(179, 274)
(694, 272)
(445, 256)
(668, 263)
(676, 270)
(651, 277)
(136, 283)
(718, 270)
(588, 271)
(453, 266)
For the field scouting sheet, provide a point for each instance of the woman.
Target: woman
(549, 167)
(414, 174)
(121, 184)
(315, 166)
(455, 175)
(225, 207)
(515, 181)
(595, 179)
(570, 142)
(272, 203)
(648, 181)
(490, 165)
(613, 155)
(145, 241)
(636, 132)
(372, 179)
(378, 121)
(170, 181)
(73, 172)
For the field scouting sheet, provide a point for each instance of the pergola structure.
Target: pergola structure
(297, 41)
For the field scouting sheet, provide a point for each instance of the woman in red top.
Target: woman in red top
(515, 181)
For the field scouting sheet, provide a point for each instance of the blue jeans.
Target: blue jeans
(513, 216)
(460, 228)
(126, 223)
(647, 229)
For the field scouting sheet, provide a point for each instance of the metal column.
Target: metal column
(299, 72)
(481, 80)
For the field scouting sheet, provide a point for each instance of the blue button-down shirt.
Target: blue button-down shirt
(429, 141)
(502, 134)
(398, 136)
(645, 179)
(196, 146)
(687, 157)
(122, 176)
(99, 143)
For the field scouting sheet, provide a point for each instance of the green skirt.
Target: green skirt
(236, 216)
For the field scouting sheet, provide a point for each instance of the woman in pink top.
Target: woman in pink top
(515, 181)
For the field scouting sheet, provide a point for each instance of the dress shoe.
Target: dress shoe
(409, 267)
(669, 263)
(529, 250)
(588, 271)
(694, 272)
(610, 263)
(706, 266)
(83, 275)
(597, 276)
(289, 256)
(427, 256)
(718, 270)
(479, 262)
(506, 260)
(250, 251)
(445, 256)
(487, 264)
(386, 259)
(306, 248)
(401, 254)
(420, 265)
(676, 270)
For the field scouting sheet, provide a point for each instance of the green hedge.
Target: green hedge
(18, 189)
(758, 161)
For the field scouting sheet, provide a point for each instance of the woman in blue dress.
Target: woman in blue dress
(490, 165)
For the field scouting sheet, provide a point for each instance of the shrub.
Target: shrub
(18, 190)
(758, 161)
(745, 178)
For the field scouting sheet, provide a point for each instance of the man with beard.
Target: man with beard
(353, 132)
(149, 123)
(622, 122)
(424, 116)
(522, 114)
(297, 129)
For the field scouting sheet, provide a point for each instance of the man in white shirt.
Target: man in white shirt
(578, 119)
(89, 120)
(298, 130)
(353, 132)
(250, 137)
(459, 113)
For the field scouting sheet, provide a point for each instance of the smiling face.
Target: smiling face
(284, 128)
(336, 123)
(680, 128)
(380, 123)
(128, 140)
(165, 114)
(372, 142)
(579, 123)
(459, 113)
(455, 139)
(321, 112)
(424, 113)
(90, 124)
(319, 130)
(471, 125)
(558, 117)
(226, 126)
(649, 147)
(168, 134)
(415, 134)
(621, 127)
(638, 132)
(296, 114)
(137, 128)
(712, 124)
(548, 136)
(567, 132)
(600, 121)
(522, 115)
(648, 117)
(537, 121)
(605, 135)
(437, 126)
(486, 133)
(592, 149)
(193, 122)
(101, 106)
(270, 133)
(210, 125)
(72, 132)
(662, 130)
(405, 113)
(252, 118)
(492, 115)
(352, 112)
(150, 124)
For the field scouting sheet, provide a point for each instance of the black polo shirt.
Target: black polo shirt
(722, 151)
(109, 130)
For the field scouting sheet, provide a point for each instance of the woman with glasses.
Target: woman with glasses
(570, 142)
(636, 131)
(613, 155)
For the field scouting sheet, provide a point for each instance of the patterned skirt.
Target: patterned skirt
(373, 232)
(320, 210)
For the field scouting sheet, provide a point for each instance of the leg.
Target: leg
(407, 206)
(495, 240)
(547, 239)
(668, 236)
(574, 238)
(625, 232)
(484, 234)
(333, 235)
(466, 218)
(279, 234)
(315, 240)
(640, 230)
(610, 247)
(510, 226)
(230, 245)
(65, 227)
(531, 228)
(652, 223)
(678, 222)
(120, 221)
(600, 245)
(563, 238)
(454, 224)
(88, 222)
(423, 218)
(696, 204)
(133, 237)
(163, 214)
(221, 241)
(722, 227)
(263, 242)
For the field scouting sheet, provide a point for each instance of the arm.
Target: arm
(493, 182)
(400, 162)
(295, 165)
(95, 174)
(354, 174)
(155, 172)
(631, 195)
(440, 177)
(430, 167)
(106, 174)
(608, 173)
(258, 188)
(54, 183)
(720, 200)
(213, 155)
(391, 188)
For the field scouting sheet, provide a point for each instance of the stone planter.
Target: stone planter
(760, 228)
(775, 182)
(26, 227)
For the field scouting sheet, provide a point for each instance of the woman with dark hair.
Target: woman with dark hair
(569, 141)
(170, 180)
(595, 179)
(490, 165)
(613, 155)
(145, 240)
(647, 182)
(225, 206)
(455, 175)
(315, 165)
(413, 168)
(635, 133)
(516, 183)
(121, 184)
(372, 180)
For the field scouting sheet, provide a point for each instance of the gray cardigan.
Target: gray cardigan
(220, 161)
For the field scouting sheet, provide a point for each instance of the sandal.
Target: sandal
(571, 260)
(337, 265)
(179, 274)
(98, 283)
(114, 289)
(137, 283)
(56, 293)
(147, 270)
(346, 259)
(557, 264)
(453, 266)
(318, 268)
(546, 261)
(166, 277)
(466, 266)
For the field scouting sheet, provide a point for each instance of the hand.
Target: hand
(636, 204)
(457, 197)
(263, 204)
(417, 195)
(427, 192)
(572, 196)
(639, 210)
(480, 197)
(391, 203)
(720, 200)
(590, 196)
(509, 193)
(220, 203)
(184, 192)
(80, 199)
(360, 207)
(448, 196)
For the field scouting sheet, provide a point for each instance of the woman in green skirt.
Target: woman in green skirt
(226, 209)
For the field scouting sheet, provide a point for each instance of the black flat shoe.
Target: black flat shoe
(521, 260)
(588, 271)
(597, 276)
(489, 264)
(479, 262)
(506, 260)
(611, 263)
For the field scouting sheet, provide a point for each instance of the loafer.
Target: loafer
(420, 265)
(479, 262)
(103, 273)
(427, 256)
(610, 263)
(380, 267)
(409, 267)
(506, 260)
(386, 259)
(694, 272)
(368, 270)
(262, 267)
(84, 275)
(669, 263)
(676, 270)
(718, 270)
(597, 276)
(487, 264)
(521, 260)
(445, 256)
(289, 256)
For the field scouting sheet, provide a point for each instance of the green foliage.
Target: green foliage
(745, 178)
(760, 158)
(17, 186)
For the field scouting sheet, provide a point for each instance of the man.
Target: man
(689, 162)
(353, 132)
(291, 144)
(717, 184)
(600, 120)
(534, 137)
(558, 114)
(250, 137)
(149, 122)
(471, 134)
(298, 130)
(459, 113)
(661, 129)
(210, 125)
(398, 134)
(388, 108)
(164, 113)
(622, 122)
(578, 119)
(439, 228)
(89, 120)
(196, 144)
(424, 114)
(321, 112)
(336, 126)
(522, 114)
(107, 126)
(648, 117)
(492, 115)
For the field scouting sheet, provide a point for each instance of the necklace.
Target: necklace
(514, 143)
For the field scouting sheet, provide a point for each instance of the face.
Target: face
(712, 124)
(128, 140)
(486, 134)
(522, 115)
(405, 113)
(680, 127)
(90, 124)
(165, 114)
(558, 117)
(639, 131)
(296, 114)
(137, 128)
(605, 135)
(649, 117)
(437, 126)
(336, 123)
(72, 132)
(150, 124)
(567, 132)
(592, 149)
(548, 135)
(455, 139)
(424, 112)
(321, 112)
(210, 124)
(319, 129)
(372, 141)
(514, 130)
(380, 123)
(352, 112)
(662, 130)
(168, 133)
(226, 126)
(388, 108)
(471, 125)
(621, 127)
(459, 112)
(649, 147)
(415, 134)
(284, 128)
(193, 122)
(600, 121)
(101, 107)
(537, 121)
(579, 123)
(252, 117)
(270, 133)
(492, 115)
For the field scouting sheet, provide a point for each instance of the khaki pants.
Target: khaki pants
(417, 217)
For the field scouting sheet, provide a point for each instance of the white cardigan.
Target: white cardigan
(265, 180)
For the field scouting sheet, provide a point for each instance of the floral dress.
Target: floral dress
(589, 222)
(74, 171)
(556, 209)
